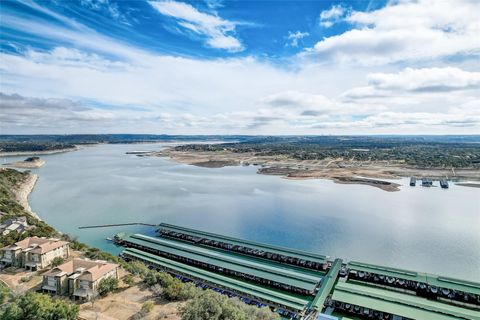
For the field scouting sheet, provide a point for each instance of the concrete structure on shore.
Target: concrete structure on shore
(34, 253)
(298, 284)
(78, 278)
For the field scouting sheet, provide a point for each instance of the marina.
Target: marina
(429, 182)
(299, 284)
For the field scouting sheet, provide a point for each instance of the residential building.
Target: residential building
(33, 253)
(17, 224)
(78, 278)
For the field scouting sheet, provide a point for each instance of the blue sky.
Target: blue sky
(262, 28)
(255, 67)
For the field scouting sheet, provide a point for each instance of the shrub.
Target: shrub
(147, 307)
(57, 261)
(136, 268)
(128, 280)
(173, 290)
(25, 279)
(188, 291)
(97, 254)
(208, 305)
(107, 285)
(151, 278)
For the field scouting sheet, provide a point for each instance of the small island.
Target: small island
(28, 163)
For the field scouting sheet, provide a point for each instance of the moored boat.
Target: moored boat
(444, 183)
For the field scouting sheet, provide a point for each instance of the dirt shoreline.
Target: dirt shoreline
(338, 170)
(470, 185)
(23, 191)
(29, 153)
(26, 164)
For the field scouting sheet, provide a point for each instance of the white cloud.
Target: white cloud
(110, 8)
(427, 79)
(432, 81)
(300, 100)
(167, 94)
(214, 4)
(294, 37)
(219, 32)
(422, 119)
(38, 113)
(329, 17)
(406, 31)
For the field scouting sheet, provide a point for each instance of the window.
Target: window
(84, 284)
(51, 282)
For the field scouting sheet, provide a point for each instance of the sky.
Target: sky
(240, 67)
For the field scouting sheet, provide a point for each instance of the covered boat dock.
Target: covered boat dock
(246, 247)
(268, 273)
(268, 296)
(353, 297)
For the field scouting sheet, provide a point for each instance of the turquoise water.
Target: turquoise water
(424, 229)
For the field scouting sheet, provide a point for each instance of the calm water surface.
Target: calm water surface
(424, 229)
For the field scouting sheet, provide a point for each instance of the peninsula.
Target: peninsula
(28, 163)
(347, 160)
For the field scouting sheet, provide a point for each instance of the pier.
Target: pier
(119, 225)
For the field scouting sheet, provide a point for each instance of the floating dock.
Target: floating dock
(413, 181)
(299, 284)
(427, 182)
(444, 183)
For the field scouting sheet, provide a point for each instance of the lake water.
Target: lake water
(424, 229)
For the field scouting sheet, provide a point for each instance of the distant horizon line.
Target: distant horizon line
(242, 135)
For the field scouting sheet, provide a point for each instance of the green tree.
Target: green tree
(107, 285)
(137, 268)
(4, 293)
(173, 290)
(208, 305)
(39, 307)
(57, 261)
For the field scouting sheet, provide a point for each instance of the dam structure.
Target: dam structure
(299, 284)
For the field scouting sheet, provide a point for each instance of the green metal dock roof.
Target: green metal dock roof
(401, 304)
(264, 294)
(258, 267)
(430, 279)
(250, 244)
(327, 285)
